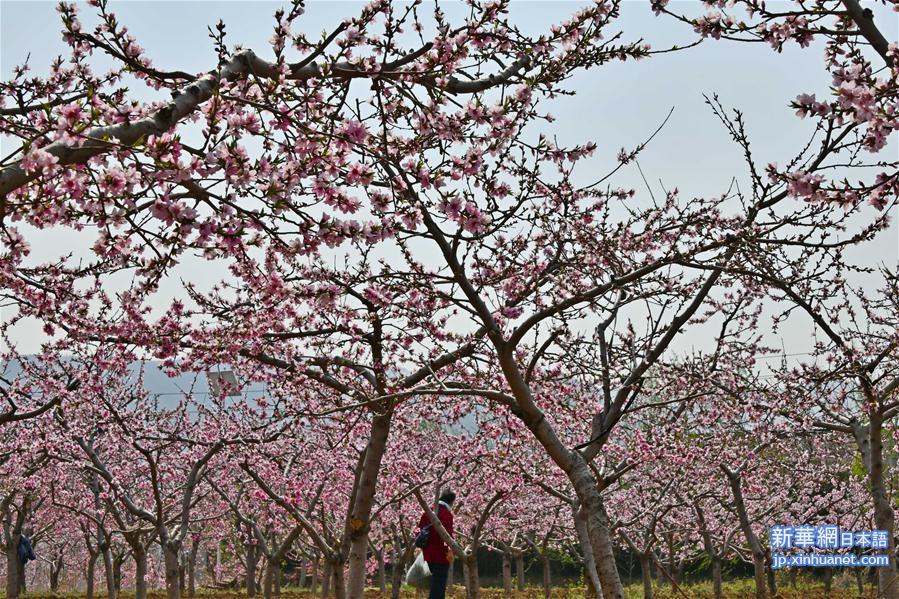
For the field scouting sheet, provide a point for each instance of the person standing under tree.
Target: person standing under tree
(436, 553)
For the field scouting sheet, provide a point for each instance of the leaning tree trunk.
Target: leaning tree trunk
(576, 469)
(758, 554)
(363, 503)
(583, 534)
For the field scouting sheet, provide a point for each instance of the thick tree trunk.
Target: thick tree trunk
(339, 582)
(90, 575)
(326, 578)
(828, 581)
(646, 573)
(250, 564)
(192, 568)
(268, 582)
(396, 575)
(507, 573)
(472, 581)
(364, 500)
(583, 535)
(575, 467)
(382, 574)
(450, 575)
(598, 529)
(547, 575)
(172, 571)
(399, 559)
(14, 571)
(769, 571)
(870, 444)
(519, 568)
(758, 554)
(316, 563)
(109, 571)
(56, 567)
(716, 576)
(140, 572)
(302, 577)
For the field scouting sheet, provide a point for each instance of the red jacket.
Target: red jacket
(435, 550)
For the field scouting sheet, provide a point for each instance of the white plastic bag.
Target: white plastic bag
(419, 575)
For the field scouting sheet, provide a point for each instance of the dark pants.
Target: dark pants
(439, 574)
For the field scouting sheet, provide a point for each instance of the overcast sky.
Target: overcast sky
(616, 106)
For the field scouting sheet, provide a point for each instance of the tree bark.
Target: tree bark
(302, 577)
(172, 571)
(382, 574)
(547, 575)
(646, 573)
(472, 581)
(364, 501)
(268, 582)
(90, 575)
(192, 568)
(869, 440)
(583, 534)
(14, 570)
(507, 573)
(56, 567)
(316, 563)
(251, 562)
(327, 575)
(716, 576)
(769, 571)
(140, 569)
(339, 581)
(109, 570)
(758, 554)
(519, 568)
